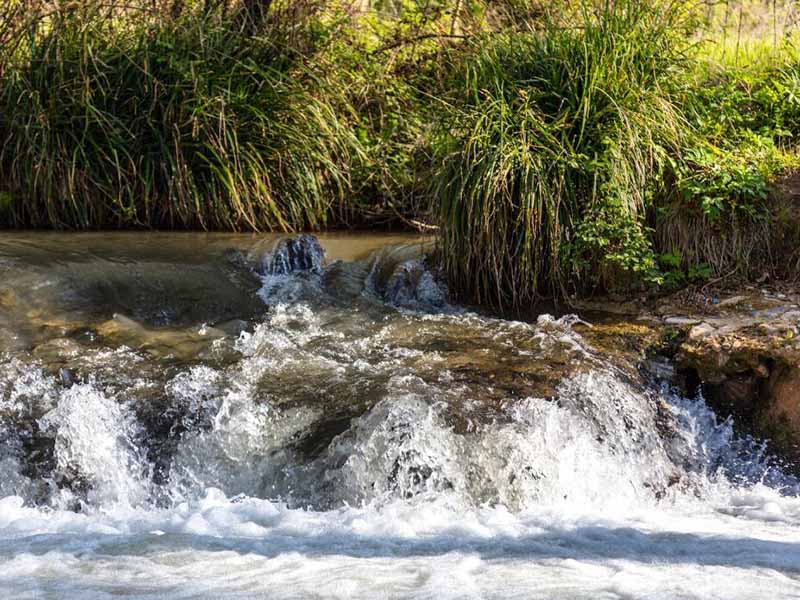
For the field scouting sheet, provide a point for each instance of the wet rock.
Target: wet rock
(700, 331)
(413, 285)
(659, 368)
(8, 298)
(345, 281)
(293, 255)
(781, 419)
(57, 351)
(732, 301)
(742, 352)
(750, 370)
(681, 321)
(628, 342)
(67, 376)
(734, 395)
(183, 343)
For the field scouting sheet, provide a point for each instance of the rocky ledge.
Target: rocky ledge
(741, 348)
(747, 356)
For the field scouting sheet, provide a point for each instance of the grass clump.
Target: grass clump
(723, 209)
(616, 146)
(554, 157)
(205, 119)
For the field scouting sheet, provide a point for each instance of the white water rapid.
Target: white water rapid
(357, 437)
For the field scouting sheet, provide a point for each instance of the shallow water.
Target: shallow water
(181, 417)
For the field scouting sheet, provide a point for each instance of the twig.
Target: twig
(455, 17)
(711, 282)
(738, 35)
(419, 38)
(774, 24)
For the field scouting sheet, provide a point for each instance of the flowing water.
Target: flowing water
(207, 416)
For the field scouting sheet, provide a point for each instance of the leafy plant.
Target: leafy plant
(720, 183)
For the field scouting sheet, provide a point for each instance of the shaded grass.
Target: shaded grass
(192, 122)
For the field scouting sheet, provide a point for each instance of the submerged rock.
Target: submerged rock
(67, 376)
(184, 343)
(412, 284)
(8, 298)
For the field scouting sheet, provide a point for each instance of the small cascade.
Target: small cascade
(361, 416)
(320, 412)
(302, 253)
(414, 285)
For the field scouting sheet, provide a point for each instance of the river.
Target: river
(221, 416)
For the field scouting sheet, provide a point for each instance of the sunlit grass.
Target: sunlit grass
(564, 127)
(108, 121)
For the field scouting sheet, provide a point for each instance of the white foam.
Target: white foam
(95, 438)
(255, 548)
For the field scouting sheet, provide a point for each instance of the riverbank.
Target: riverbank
(555, 152)
(738, 346)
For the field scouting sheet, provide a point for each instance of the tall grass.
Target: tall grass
(557, 147)
(550, 162)
(204, 117)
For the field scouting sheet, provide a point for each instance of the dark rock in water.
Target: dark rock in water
(781, 417)
(292, 255)
(413, 285)
(345, 281)
(67, 376)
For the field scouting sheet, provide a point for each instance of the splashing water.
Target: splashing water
(361, 437)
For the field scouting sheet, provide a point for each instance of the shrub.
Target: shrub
(722, 210)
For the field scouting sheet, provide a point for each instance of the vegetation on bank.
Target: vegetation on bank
(596, 144)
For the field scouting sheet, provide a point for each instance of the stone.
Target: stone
(792, 317)
(681, 321)
(293, 255)
(732, 301)
(67, 376)
(8, 298)
(733, 396)
(413, 285)
(700, 331)
(782, 416)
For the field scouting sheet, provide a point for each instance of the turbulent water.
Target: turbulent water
(228, 417)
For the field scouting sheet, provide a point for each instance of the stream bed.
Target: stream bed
(232, 416)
